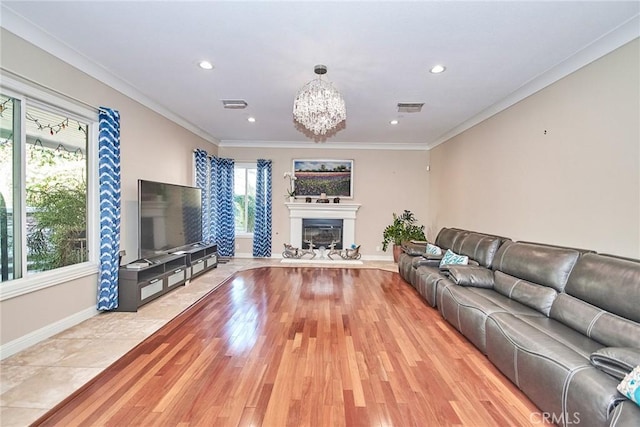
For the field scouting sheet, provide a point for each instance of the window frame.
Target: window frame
(245, 165)
(28, 94)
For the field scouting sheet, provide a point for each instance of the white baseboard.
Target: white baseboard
(243, 255)
(377, 257)
(32, 338)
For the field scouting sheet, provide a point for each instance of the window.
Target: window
(244, 197)
(45, 187)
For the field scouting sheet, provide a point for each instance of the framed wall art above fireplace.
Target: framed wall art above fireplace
(331, 177)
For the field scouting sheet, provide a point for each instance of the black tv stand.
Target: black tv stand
(140, 285)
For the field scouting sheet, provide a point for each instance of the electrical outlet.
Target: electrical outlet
(377, 248)
(237, 245)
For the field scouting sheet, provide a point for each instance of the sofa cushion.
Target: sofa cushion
(488, 301)
(593, 322)
(607, 282)
(467, 309)
(546, 338)
(570, 338)
(544, 265)
(535, 296)
(616, 361)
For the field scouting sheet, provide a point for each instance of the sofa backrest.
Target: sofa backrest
(607, 282)
(447, 237)
(479, 247)
(544, 265)
(602, 300)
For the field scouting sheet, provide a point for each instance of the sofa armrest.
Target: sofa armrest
(429, 262)
(471, 275)
(414, 249)
(616, 361)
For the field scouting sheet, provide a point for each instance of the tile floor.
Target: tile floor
(36, 379)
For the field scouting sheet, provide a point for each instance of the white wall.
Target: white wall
(560, 167)
(152, 147)
(384, 182)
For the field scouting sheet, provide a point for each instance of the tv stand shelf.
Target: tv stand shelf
(201, 258)
(137, 287)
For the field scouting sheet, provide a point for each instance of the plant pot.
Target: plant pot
(292, 199)
(397, 250)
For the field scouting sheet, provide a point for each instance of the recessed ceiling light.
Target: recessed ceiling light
(437, 69)
(205, 65)
(251, 119)
(393, 122)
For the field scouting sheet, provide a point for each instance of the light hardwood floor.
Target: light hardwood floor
(302, 346)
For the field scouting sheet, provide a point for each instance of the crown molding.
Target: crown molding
(609, 42)
(616, 38)
(23, 28)
(227, 143)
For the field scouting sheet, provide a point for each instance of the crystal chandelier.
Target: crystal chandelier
(318, 106)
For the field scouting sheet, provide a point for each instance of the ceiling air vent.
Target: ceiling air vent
(410, 107)
(234, 104)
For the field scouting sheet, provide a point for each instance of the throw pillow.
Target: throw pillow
(452, 258)
(630, 385)
(433, 249)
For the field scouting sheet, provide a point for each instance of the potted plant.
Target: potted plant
(291, 192)
(402, 229)
(291, 195)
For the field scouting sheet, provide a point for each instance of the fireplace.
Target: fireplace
(345, 212)
(322, 232)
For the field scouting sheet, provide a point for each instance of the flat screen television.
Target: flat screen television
(170, 217)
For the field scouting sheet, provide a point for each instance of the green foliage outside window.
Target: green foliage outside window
(247, 223)
(57, 236)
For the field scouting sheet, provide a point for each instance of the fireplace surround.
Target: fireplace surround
(327, 211)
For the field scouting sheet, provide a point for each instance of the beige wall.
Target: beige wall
(152, 147)
(577, 185)
(384, 182)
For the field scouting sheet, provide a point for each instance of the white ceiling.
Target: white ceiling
(378, 54)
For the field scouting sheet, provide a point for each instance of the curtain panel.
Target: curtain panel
(109, 183)
(214, 176)
(223, 216)
(203, 182)
(262, 229)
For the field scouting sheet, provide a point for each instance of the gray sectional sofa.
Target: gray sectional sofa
(562, 324)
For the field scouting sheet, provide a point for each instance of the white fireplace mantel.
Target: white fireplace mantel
(344, 211)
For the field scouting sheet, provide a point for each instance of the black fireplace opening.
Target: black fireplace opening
(322, 232)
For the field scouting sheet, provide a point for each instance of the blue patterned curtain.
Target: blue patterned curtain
(223, 220)
(109, 182)
(215, 177)
(203, 182)
(262, 230)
